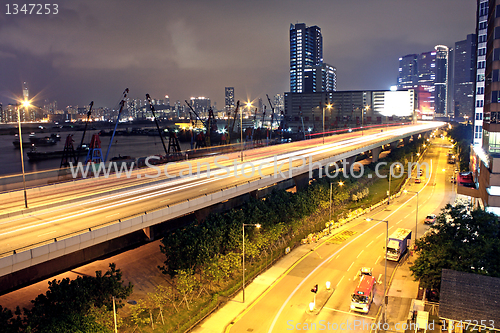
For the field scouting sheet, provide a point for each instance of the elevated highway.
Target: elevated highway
(70, 218)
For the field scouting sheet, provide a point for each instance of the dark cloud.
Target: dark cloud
(93, 49)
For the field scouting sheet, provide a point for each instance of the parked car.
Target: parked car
(418, 180)
(430, 219)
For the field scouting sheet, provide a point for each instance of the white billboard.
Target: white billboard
(395, 103)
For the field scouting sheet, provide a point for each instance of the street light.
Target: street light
(26, 105)
(245, 225)
(249, 104)
(416, 215)
(389, 191)
(385, 275)
(330, 220)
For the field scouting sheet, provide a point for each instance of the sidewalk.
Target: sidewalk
(402, 290)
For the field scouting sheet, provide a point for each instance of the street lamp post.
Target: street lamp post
(244, 225)
(26, 105)
(389, 191)
(241, 132)
(323, 124)
(331, 205)
(416, 215)
(330, 220)
(385, 274)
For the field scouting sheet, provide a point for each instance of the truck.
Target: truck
(398, 244)
(362, 297)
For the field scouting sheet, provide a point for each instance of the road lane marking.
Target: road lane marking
(349, 313)
(379, 277)
(46, 233)
(112, 215)
(376, 261)
(309, 275)
(369, 244)
(352, 263)
(339, 282)
(359, 254)
(379, 235)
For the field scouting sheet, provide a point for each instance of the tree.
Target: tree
(186, 283)
(459, 240)
(9, 323)
(68, 302)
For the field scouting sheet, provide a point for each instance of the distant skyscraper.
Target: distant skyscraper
(26, 93)
(441, 83)
(407, 76)
(426, 68)
(464, 63)
(306, 50)
(229, 98)
(427, 73)
(201, 105)
(481, 31)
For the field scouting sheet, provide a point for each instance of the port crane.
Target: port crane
(230, 130)
(69, 151)
(122, 104)
(148, 98)
(272, 116)
(208, 124)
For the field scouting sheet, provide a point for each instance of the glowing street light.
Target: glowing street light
(246, 225)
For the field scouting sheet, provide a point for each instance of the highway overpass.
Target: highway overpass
(74, 222)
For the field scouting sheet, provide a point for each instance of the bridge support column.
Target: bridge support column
(347, 163)
(394, 145)
(406, 140)
(149, 233)
(376, 153)
(301, 181)
(254, 194)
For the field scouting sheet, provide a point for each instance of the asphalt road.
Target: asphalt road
(83, 204)
(285, 306)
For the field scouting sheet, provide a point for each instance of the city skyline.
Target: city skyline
(93, 50)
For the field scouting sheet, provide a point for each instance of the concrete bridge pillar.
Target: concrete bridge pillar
(149, 233)
(301, 181)
(376, 153)
(394, 144)
(348, 162)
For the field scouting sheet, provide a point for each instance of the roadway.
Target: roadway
(285, 306)
(79, 205)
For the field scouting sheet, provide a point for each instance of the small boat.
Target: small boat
(56, 137)
(35, 156)
(26, 144)
(46, 141)
(128, 160)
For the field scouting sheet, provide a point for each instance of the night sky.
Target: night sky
(94, 49)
